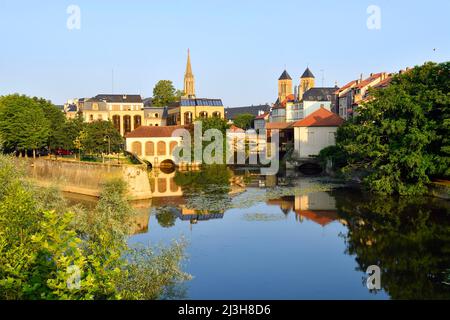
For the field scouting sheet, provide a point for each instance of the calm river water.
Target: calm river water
(293, 237)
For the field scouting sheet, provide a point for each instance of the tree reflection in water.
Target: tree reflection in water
(409, 238)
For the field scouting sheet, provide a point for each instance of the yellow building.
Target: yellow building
(307, 81)
(284, 87)
(189, 108)
(125, 111)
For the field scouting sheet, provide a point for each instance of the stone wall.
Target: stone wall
(87, 178)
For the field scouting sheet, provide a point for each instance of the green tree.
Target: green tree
(57, 137)
(400, 139)
(244, 121)
(99, 136)
(164, 93)
(23, 125)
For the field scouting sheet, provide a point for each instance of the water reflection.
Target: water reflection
(408, 238)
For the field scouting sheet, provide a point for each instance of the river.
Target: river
(295, 237)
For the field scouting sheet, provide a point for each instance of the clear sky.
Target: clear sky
(238, 48)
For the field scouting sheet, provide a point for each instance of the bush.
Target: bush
(44, 248)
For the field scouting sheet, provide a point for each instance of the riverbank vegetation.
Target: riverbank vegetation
(399, 140)
(51, 251)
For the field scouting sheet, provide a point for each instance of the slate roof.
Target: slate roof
(307, 74)
(231, 113)
(285, 76)
(319, 94)
(119, 98)
(320, 118)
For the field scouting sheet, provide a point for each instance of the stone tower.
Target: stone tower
(307, 81)
(284, 86)
(189, 82)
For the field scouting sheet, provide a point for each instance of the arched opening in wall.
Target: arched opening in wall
(167, 166)
(127, 124)
(149, 148)
(203, 114)
(137, 122)
(116, 122)
(172, 147)
(136, 148)
(310, 168)
(161, 148)
(188, 119)
(216, 114)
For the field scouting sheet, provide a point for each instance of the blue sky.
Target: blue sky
(238, 48)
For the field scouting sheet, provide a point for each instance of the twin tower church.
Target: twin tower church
(286, 92)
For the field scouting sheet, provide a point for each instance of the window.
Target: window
(149, 148)
(95, 106)
(136, 148)
(172, 146)
(137, 122)
(161, 148)
(156, 115)
(116, 122)
(127, 124)
(91, 117)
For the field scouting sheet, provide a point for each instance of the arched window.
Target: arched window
(161, 148)
(216, 114)
(116, 121)
(156, 115)
(137, 122)
(149, 148)
(172, 146)
(188, 117)
(203, 114)
(127, 124)
(173, 185)
(136, 148)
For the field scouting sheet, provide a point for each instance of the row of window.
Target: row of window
(161, 148)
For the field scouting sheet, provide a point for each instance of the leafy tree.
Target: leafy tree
(400, 138)
(98, 136)
(164, 93)
(244, 121)
(57, 137)
(23, 125)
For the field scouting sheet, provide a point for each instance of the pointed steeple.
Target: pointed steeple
(189, 81)
(188, 65)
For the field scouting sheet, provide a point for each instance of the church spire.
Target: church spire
(189, 84)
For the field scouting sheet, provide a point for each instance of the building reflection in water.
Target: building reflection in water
(316, 206)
